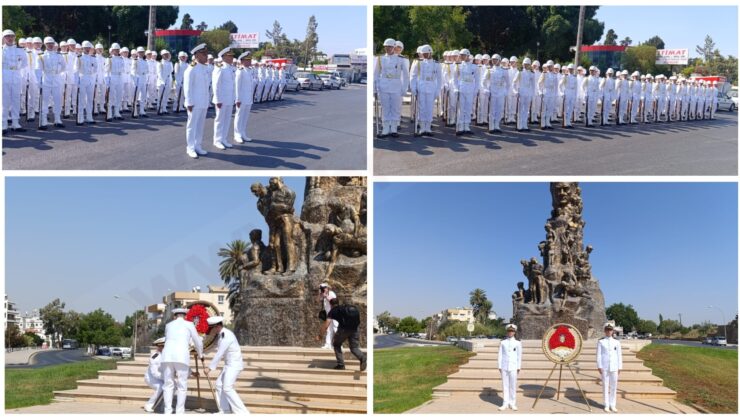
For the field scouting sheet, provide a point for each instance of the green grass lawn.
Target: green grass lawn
(404, 377)
(27, 386)
(700, 375)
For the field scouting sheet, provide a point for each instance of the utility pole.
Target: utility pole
(680, 322)
(152, 25)
(579, 37)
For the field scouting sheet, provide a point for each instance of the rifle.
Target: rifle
(542, 112)
(377, 113)
(617, 115)
(135, 112)
(28, 87)
(77, 108)
(161, 99)
(565, 116)
(641, 110)
(457, 112)
(603, 116)
(516, 111)
(416, 116)
(41, 104)
(588, 119)
(108, 105)
(64, 97)
(629, 109)
(280, 93)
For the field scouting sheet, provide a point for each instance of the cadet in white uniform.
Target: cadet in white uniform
(549, 86)
(509, 365)
(87, 73)
(196, 89)
(34, 82)
(229, 350)
(609, 362)
(524, 86)
(180, 67)
(151, 80)
(466, 82)
(496, 80)
(128, 85)
(99, 105)
(389, 81)
(223, 83)
(635, 94)
(245, 85)
(622, 87)
(153, 375)
(405, 79)
(115, 70)
(608, 92)
(14, 61)
(70, 76)
(590, 89)
(326, 295)
(164, 81)
(178, 334)
(140, 73)
(511, 98)
(569, 87)
(426, 83)
(52, 66)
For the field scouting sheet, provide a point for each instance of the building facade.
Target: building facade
(162, 312)
(604, 56)
(178, 40)
(12, 317)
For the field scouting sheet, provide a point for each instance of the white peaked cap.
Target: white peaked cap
(197, 48)
(8, 32)
(49, 40)
(213, 320)
(182, 54)
(390, 42)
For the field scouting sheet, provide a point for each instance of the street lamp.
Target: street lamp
(724, 323)
(538, 50)
(109, 27)
(136, 326)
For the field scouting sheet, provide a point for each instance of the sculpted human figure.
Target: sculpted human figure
(280, 215)
(348, 235)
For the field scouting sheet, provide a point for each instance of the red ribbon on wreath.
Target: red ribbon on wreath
(198, 315)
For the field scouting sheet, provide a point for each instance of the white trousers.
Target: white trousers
(222, 123)
(11, 103)
(330, 333)
(228, 398)
(142, 85)
(523, 112)
(609, 383)
(128, 91)
(569, 110)
(508, 377)
(157, 386)
(483, 104)
(536, 106)
(635, 109)
(175, 375)
(164, 95)
(622, 108)
(549, 110)
(465, 108)
(181, 92)
(391, 105)
(70, 98)
(242, 119)
(194, 129)
(115, 97)
(511, 108)
(151, 89)
(85, 112)
(52, 98)
(266, 90)
(496, 112)
(426, 106)
(100, 95)
(591, 102)
(33, 97)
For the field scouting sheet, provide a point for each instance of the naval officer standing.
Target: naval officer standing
(178, 334)
(197, 82)
(509, 365)
(229, 350)
(609, 362)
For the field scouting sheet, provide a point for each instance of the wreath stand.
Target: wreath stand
(560, 377)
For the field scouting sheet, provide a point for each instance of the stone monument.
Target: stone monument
(562, 288)
(327, 243)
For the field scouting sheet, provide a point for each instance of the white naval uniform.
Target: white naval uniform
(176, 361)
(180, 68)
(151, 82)
(268, 85)
(608, 94)
(390, 82)
(224, 90)
(245, 85)
(70, 75)
(622, 87)
(87, 72)
(100, 83)
(334, 324)
(164, 83)
(154, 378)
(14, 61)
(128, 84)
(140, 73)
(524, 87)
(52, 66)
(509, 363)
(659, 93)
(549, 85)
(591, 91)
(569, 87)
(481, 116)
(466, 82)
(196, 90)
(497, 83)
(537, 101)
(635, 94)
(229, 350)
(34, 83)
(115, 70)
(426, 82)
(609, 360)
(511, 97)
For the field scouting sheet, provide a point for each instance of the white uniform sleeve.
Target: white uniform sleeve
(519, 356)
(223, 345)
(188, 87)
(598, 355)
(197, 341)
(500, 353)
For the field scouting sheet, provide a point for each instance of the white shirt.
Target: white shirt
(164, 72)
(330, 296)
(609, 354)
(497, 81)
(52, 64)
(14, 60)
(223, 83)
(196, 83)
(510, 354)
(154, 372)
(229, 350)
(245, 84)
(178, 336)
(180, 68)
(389, 74)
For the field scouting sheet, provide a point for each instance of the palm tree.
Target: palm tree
(477, 300)
(231, 269)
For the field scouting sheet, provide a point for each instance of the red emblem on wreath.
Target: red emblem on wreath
(198, 315)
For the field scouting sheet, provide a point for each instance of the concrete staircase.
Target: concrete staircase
(480, 376)
(274, 380)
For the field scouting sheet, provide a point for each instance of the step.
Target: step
(281, 391)
(254, 404)
(592, 390)
(482, 364)
(526, 377)
(547, 366)
(313, 380)
(275, 371)
(351, 360)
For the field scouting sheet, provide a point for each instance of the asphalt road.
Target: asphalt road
(682, 148)
(383, 341)
(55, 357)
(318, 130)
(693, 344)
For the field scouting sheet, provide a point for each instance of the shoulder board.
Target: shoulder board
(192, 64)
(222, 334)
(155, 355)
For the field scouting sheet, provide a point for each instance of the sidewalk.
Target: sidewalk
(20, 357)
(488, 404)
(77, 407)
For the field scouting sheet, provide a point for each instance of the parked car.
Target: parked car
(725, 102)
(116, 352)
(707, 341)
(330, 82)
(103, 351)
(126, 352)
(452, 339)
(291, 83)
(309, 81)
(719, 341)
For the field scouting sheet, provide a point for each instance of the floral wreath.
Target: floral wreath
(198, 315)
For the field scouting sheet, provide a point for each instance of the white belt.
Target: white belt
(117, 73)
(467, 79)
(12, 68)
(429, 79)
(392, 76)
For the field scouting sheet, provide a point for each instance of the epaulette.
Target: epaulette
(222, 334)
(192, 64)
(155, 355)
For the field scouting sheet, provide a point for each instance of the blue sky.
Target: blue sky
(665, 248)
(341, 29)
(678, 26)
(86, 239)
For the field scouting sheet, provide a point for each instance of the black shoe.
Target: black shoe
(44, 127)
(79, 124)
(491, 131)
(497, 131)
(363, 364)
(19, 130)
(458, 133)
(92, 122)
(5, 132)
(59, 125)
(120, 118)
(109, 120)
(339, 367)
(394, 134)
(145, 116)
(519, 130)
(31, 120)
(527, 130)
(68, 116)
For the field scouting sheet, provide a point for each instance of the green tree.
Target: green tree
(387, 321)
(99, 328)
(481, 305)
(187, 22)
(216, 40)
(232, 270)
(611, 37)
(16, 18)
(130, 22)
(440, 26)
(669, 326)
(707, 51)
(656, 42)
(13, 337)
(276, 34)
(642, 58)
(229, 26)
(624, 316)
(409, 325)
(391, 22)
(311, 41)
(202, 26)
(52, 315)
(646, 326)
(626, 42)
(460, 329)
(33, 339)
